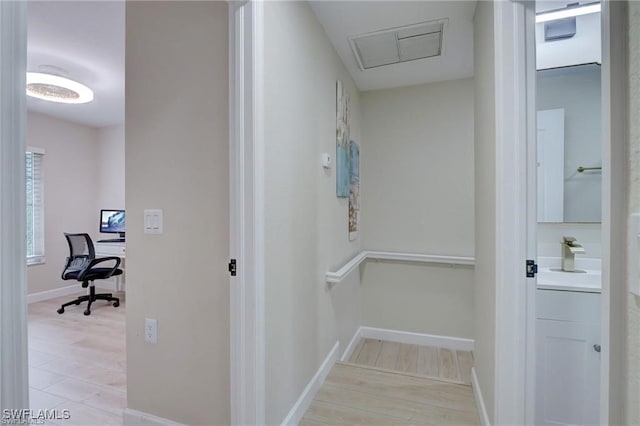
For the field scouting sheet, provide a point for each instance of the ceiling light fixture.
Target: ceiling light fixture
(57, 89)
(569, 12)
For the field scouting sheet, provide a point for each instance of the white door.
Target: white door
(550, 170)
(567, 373)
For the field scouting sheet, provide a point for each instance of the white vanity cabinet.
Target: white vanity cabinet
(567, 358)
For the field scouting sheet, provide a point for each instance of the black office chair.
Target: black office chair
(81, 266)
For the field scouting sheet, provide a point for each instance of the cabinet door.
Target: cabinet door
(567, 373)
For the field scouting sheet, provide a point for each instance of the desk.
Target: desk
(113, 249)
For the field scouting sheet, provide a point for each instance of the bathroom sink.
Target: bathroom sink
(587, 277)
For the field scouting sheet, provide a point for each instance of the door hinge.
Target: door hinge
(232, 267)
(532, 268)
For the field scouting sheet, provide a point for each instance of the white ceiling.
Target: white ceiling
(86, 40)
(342, 19)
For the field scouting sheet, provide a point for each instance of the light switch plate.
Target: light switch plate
(153, 221)
(326, 160)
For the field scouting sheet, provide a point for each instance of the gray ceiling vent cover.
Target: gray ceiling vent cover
(395, 45)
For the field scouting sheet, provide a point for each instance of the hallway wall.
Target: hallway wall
(177, 159)
(306, 224)
(418, 197)
(485, 203)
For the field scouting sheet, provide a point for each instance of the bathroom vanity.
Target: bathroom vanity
(568, 343)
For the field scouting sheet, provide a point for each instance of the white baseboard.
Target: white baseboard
(307, 395)
(456, 343)
(68, 290)
(353, 344)
(477, 393)
(52, 294)
(138, 418)
(109, 285)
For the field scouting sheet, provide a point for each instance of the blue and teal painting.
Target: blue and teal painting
(342, 171)
(354, 162)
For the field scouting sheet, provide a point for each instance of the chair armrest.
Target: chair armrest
(95, 262)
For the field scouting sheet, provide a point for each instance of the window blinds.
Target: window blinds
(35, 208)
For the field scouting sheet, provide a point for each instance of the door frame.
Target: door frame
(511, 212)
(614, 211)
(532, 211)
(14, 383)
(246, 161)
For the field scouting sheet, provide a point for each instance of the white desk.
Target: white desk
(113, 249)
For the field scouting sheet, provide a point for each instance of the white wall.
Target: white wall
(418, 197)
(431, 299)
(578, 91)
(633, 191)
(111, 180)
(70, 191)
(485, 203)
(306, 224)
(177, 160)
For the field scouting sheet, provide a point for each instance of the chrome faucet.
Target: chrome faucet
(569, 250)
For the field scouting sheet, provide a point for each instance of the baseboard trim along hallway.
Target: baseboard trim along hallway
(482, 409)
(307, 395)
(138, 418)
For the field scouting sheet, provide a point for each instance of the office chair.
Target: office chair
(81, 266)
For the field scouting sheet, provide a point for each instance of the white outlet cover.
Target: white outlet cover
(150, 330)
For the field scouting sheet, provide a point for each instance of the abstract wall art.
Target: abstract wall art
(342, 141)
(354, 190)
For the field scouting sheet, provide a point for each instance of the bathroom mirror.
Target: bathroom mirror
(569, 144)
(569, 117)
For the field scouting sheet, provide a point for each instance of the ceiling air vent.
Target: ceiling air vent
(400, 44)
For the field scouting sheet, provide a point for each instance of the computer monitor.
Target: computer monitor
(112, 222)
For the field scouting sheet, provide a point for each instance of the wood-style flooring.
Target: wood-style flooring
(77, 362)
(387, 383)
(420, 360)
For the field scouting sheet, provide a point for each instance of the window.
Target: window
(35, 207)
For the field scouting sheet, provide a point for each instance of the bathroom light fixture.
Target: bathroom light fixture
(57, 89)
(569, 12)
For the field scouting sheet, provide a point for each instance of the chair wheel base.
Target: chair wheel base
(61, 311)
(116, 304)
(87, 312)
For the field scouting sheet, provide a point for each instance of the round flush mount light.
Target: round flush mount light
(57, 89)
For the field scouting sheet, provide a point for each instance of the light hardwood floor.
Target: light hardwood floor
(387, 383)
(427, 361)
(77, 362)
